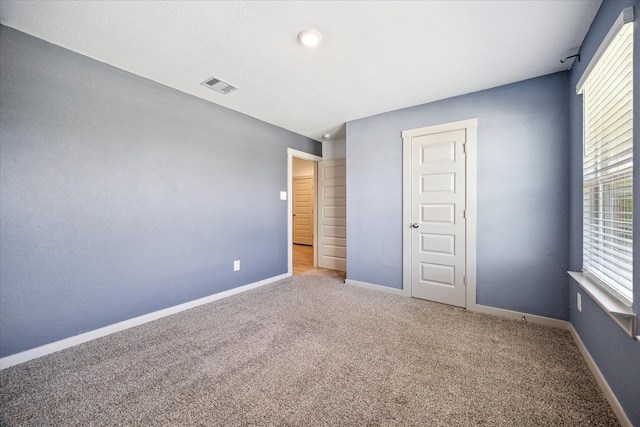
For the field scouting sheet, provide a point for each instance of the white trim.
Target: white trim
(625, 17)
(602, 382)
(517, 315)
(291, 153)
(472, 180)
(614, 307)
(34, 353)
(470, 126)
(406, 213)
(315, 217)
(379, 288)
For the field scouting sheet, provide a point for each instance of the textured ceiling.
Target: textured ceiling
(376, 56)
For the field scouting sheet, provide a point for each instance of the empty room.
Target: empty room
(319, 213)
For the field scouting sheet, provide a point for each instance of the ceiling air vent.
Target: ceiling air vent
(219, 85)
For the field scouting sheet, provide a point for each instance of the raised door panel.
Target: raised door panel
(332, 215)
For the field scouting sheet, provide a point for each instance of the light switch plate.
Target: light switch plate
(283, 195)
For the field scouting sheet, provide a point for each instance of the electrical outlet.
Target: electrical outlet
(579, 302)
(236, 265)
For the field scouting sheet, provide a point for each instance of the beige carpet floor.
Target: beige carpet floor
(310, 350)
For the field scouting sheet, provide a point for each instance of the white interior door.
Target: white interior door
(332, 214)
(303, 211)
(438, 196)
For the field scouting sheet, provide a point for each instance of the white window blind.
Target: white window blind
(608, 166)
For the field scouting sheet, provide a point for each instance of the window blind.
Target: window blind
(608, 166)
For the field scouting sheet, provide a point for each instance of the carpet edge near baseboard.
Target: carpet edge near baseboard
(600, 379)
(43, 350)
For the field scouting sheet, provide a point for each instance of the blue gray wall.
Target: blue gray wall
(120, 196)
(615, 353)
(522, 193)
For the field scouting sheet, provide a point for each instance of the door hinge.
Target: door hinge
(464, 279)
(464, 214)
(464, 148)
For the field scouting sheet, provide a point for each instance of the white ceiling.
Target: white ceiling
(376, 56)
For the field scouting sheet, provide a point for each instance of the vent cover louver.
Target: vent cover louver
(219, 85)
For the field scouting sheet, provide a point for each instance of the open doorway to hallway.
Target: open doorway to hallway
(303, 215)
(320, 248)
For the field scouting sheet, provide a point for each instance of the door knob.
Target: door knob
(415, 225)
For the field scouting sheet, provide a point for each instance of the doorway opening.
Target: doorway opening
(305, 252)
(303, 208)
(321, 245)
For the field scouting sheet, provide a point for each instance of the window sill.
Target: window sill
(616, 309)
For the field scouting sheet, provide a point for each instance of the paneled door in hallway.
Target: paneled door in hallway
(303, 211)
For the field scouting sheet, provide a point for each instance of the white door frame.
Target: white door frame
(291, 153)
(470, 127)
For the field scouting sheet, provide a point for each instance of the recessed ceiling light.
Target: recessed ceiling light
(309, 37)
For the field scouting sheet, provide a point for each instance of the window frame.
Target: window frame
(618, 306)
(598, 240)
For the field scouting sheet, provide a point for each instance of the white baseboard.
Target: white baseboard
(373, 287)
(16, 359)
(500, 312)
(516, 315)
(602, 382)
